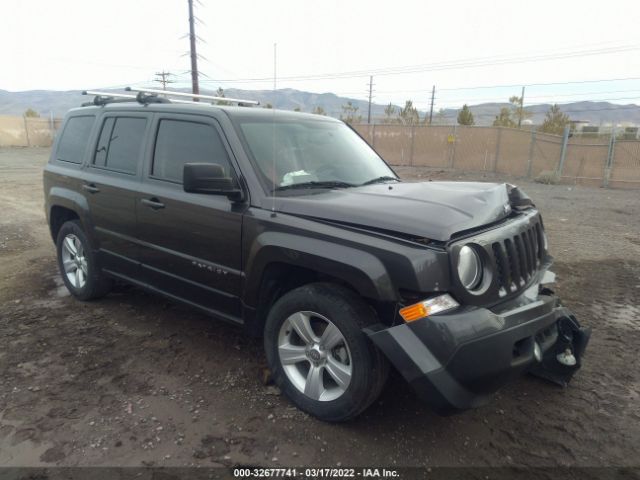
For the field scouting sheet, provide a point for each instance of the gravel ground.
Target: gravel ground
(134, 380)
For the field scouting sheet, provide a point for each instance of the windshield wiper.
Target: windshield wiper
(316, 184)
(385, 178)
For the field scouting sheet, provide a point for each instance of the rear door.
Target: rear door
(111, 180)
(190, 243)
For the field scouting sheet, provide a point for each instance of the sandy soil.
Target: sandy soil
(134, 380)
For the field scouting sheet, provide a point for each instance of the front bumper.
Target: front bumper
(456, 361)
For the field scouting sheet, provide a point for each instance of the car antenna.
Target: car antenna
(273, 123)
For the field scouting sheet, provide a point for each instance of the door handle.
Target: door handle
(152, 203)
(91, 188)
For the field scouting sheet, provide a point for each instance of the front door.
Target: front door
(190, 243)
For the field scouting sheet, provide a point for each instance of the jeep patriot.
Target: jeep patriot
(291, 226)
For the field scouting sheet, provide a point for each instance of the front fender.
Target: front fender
(360, 269)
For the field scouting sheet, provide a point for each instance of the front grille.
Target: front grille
(518, 258)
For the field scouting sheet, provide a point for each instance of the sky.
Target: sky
(472, 51)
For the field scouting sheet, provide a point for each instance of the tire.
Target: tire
(80, 270)
(297, 359)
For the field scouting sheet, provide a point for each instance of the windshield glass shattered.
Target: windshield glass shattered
(311, 154)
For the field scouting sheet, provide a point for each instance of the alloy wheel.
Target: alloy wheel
(315, 356)
(74, 261)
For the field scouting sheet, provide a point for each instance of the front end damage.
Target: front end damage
(457, 360)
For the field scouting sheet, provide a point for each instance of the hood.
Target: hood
(434, 210)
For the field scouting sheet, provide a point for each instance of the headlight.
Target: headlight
(469, 268)
(545, 241)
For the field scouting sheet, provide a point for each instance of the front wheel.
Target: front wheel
(318, 354)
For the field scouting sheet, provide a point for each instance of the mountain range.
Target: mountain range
(56, 103)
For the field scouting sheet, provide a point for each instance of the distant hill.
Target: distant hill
(58, 102)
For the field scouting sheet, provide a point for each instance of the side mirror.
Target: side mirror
(209, 178)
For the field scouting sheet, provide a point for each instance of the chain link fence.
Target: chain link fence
(606, 160)
(20, 131)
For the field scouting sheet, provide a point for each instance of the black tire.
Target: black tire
(96, 283)
(350, 314)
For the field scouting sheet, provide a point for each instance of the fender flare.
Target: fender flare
(74, 201)
(361, 270)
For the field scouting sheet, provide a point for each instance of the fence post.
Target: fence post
(610, 154)
(373, 136)
(411, 150)
(26, 130)
(532, 145)
(498, 140)
(452, 148)
(563, 150)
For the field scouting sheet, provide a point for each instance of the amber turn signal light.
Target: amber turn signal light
(423, 309)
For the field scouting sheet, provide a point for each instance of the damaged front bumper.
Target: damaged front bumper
(456, 361)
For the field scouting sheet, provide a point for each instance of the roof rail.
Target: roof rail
(192, 95)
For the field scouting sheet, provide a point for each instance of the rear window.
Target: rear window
(120, 144)
(75, 138)
(179, 142)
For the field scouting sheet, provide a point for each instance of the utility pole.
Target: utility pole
(433, 97)
(521, 112)
(163, 78)
(195, 88)
(370, 97)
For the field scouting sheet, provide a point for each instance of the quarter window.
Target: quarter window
(120, 144)
(179, 142)
(75, 138)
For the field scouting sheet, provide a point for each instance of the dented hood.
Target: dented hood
(434, 210)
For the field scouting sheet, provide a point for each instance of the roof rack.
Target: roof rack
(192, 95)
(103, 98)
(149, 95)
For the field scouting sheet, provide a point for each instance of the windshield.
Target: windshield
(310, 152)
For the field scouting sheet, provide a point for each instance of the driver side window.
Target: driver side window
(182, 141)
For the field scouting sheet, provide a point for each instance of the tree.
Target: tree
(555, 121)
(268, 105)
(465, 117)
(389, 112)
(318, 110)
(513, 115)
(30, 112)
(518, 110)
(350, 113)
(297, 109)
(441, 117)
(503, 119)
(220, 93)
(409, 114)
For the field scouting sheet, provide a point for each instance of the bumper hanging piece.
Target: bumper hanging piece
(563, 360)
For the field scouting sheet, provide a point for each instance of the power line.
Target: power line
(163, 78)
(195, 88)
(370, 98)
(453, 65)
(433, 97)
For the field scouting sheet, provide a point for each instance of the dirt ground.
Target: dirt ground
(134, 380)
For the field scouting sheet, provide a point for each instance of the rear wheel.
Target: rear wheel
(78, 263)
(318, 354)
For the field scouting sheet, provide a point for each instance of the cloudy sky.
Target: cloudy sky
(473, 51)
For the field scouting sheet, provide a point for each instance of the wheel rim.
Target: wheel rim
(315, 356)
(74, 261)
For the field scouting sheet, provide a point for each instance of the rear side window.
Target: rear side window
(120, 144)
(179, 142)
(75, 138)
